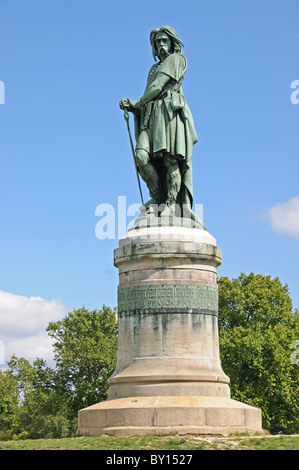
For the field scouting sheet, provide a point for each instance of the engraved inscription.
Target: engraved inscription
(167, 297)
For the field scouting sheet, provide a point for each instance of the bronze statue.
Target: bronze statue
(164, 128)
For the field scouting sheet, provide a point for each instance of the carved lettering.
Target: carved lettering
(145, 298)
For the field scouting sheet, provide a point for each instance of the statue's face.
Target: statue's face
(163, 44)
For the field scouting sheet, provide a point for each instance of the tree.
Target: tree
(38, 401)
(41, 412)
(85, 347)
(9, 400)
(257, 327)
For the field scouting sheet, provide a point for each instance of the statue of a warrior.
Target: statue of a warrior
(164, 128)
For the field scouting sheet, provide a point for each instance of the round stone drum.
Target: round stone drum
(168, 308)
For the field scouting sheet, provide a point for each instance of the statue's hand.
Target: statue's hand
(123, 104)
(128, 104)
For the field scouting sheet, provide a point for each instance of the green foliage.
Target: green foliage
(257, 326)
(8, 404)
(40, 410)
(85, 346)
(37, 401)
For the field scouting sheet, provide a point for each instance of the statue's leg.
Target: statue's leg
(173, 181)
(147, 170)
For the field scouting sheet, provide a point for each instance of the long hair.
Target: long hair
(171, 32)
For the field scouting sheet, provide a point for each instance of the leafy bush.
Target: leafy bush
(257, 326)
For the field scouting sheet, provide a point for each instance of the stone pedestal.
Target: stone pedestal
(168, 375)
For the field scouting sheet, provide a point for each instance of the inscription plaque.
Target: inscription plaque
(168, 299)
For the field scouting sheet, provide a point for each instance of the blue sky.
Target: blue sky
(64, 148)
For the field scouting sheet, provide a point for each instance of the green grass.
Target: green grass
(157, 442)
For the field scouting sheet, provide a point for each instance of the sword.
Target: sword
(126, 116)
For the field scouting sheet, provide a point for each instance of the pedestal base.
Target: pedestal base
(168, 376)
(163, 415)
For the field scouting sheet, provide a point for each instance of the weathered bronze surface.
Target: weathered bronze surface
(164, 129)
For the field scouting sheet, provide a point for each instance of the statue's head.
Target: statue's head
(165, 37)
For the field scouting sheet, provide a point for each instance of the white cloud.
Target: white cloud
(284, 217)
(23, 322)
(30, 347)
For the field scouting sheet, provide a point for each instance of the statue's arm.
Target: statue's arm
(150, 93)
(154, 89)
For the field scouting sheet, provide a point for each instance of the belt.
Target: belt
(162, 94)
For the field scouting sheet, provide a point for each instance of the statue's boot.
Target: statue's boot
(170, 208)
(149, 174)
(173, 180)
